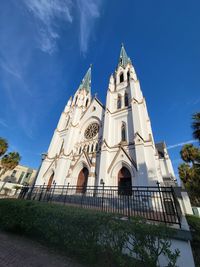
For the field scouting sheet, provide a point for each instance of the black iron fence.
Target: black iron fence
(153, 203)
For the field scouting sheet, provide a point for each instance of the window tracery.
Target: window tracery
(119, 102)
(91, 131)
(126, 99)
(123, 132)
(121, 78)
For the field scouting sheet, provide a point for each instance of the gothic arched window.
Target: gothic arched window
(128, 76)
(121, 78)
(87, 102)
(88, 148)
(123, 131)
(96, 148)
(80, 150)
(92, 148)
(76, 100)
(119, 102)
(126, 99)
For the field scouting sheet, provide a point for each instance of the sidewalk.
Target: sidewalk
(17, 251)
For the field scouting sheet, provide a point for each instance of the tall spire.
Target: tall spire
(123, 58)
(86, 82)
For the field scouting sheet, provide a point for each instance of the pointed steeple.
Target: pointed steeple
(123, 58)
(86, 82)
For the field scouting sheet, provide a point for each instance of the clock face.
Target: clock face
(92, 130)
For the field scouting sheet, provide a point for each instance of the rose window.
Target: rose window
(92, 130)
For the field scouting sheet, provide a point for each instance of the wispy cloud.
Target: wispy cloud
(9, 69)
(37, 24)
(3, 123)
(89, 11)
(182, 144)
(47, 14)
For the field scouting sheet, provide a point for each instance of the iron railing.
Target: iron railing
(153, 203)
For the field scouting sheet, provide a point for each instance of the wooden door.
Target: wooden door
(50, 181)
(82, 181)
(124, 182)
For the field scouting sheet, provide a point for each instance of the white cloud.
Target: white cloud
(182, 144)
(89, 10)
(3, 123)
(47, 13)
(9, 69)
(37, 23)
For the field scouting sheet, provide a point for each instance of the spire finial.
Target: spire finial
(86, 82)
(123, 58)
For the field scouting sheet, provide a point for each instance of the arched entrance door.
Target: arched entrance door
(82, 181)
(50, 181)
(124, 182)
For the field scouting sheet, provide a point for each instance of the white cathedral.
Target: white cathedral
(113, 144)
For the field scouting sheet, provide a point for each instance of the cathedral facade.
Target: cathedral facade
(113, 144)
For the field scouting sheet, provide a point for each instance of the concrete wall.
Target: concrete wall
(20, 174)
(186, 256)
(11, 186)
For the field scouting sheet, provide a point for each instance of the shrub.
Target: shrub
(89, 235)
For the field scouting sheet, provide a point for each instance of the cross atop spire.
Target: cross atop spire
(86, 82)
(123, 58)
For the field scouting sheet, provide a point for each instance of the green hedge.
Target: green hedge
(93, 237)
(194, 223)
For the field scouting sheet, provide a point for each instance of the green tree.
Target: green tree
(3, 146)
(190, 154)
(9, 161)
(196, 125)
(189, 172)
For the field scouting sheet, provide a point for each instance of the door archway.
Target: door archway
(82, 181)
(50, 181)
(124, 182)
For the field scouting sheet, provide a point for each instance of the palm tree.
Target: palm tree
(196, 125)
(190, 154)
(10, 161)
(3, 146)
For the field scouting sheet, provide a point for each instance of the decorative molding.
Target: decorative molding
(86, 157)
(54, 161)
(119, 110)
(117, 154)
(138, 102)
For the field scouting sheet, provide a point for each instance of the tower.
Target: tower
(127, 136)
(60, 155)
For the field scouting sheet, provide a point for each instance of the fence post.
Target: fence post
(40, 197)
(161, 200)
(54, 187)
(102, 201)
(177, 206)
(21, 192)
(128, 207)
(66, 193)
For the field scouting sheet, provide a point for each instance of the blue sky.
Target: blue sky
(47, 46)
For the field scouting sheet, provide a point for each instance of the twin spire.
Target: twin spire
(123, 58)
(86, 82)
